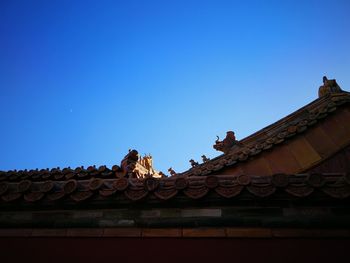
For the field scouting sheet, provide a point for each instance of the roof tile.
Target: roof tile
(335, 185)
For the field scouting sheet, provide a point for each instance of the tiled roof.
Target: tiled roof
(61, 174)
(103, 184)
(284, 130)
(196, 187)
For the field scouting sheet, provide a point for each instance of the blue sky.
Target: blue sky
(81, 82)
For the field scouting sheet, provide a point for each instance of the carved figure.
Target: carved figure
(226, 144)
(171, 171)
(329, 86)
(136, 167)
(162, 175)
(205, 159)
(193, 163)
(129, 161)
(147, 162)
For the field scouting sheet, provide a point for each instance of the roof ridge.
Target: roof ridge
(275, 133)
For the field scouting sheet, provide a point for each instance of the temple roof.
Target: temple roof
(290, 176)
(293, 144)
(305, 154)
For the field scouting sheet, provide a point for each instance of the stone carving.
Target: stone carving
(161, 174)
(329, 86)
(205, 158)
(172, 172)
(193, 163)
(129, 161)
(226, 144)
(135, 166)
(147, 162)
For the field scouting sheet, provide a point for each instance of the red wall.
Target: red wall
(118, 250)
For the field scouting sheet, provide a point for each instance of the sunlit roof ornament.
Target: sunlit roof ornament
(329, 86)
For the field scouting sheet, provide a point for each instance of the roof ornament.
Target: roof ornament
(193, 163)
(135, 166)
(226, 144)
(205, 158)
(329, 86)
(162, 175)
(171, 171)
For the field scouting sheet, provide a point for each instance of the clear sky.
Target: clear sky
(81, 82)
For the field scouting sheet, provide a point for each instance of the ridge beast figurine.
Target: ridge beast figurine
(226, 144)
(329, 86)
